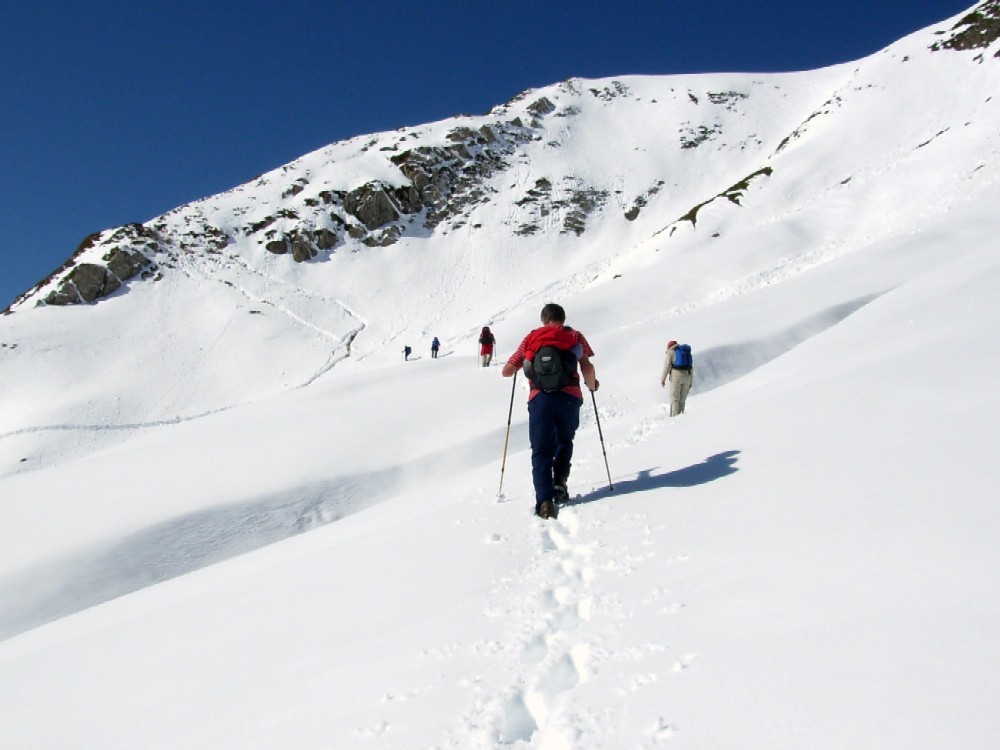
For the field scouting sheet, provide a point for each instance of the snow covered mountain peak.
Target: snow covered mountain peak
(369, 191)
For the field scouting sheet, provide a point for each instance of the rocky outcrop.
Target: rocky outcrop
(384, 238)
(128, 255)
(582, 202)
(642, 201)
(303, 245)
(692, 137)
(444, 183)
(303, 248)
(85, 283)
(448, 181)
(577, 203)
(325, 239)
(734, 194)
(440, 186)
(371, 205)
(616, 89)
(541, 107)
(977, 30)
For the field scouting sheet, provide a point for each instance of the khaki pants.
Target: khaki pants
(680, 384)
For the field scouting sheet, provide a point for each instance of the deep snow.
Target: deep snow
(806, 559)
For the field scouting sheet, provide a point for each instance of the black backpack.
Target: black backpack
(552, 369)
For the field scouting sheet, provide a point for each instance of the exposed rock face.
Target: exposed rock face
(692, 137)
(442, 183)
(445, 182)
(278, 247)
(542, 107)
(582, 203)
(303, 245)
(616, 89)
(85, 283)
(734, 194)
(325, 239)
(302, 248)
(384, 238)
(125, 259)
(124, 264)
(977, 30)
(641, 201)
(578, 202)
(371, 205)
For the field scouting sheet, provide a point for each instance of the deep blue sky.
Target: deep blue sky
(113, 112)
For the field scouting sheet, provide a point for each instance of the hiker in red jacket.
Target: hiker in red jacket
(550, 357)
(486, 342)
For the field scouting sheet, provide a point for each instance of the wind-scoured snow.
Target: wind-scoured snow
(231, 515)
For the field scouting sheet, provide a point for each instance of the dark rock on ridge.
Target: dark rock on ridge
(442, 184)
(126, 258)
(977, 30)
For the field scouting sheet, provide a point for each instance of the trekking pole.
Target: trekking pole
(510, 412)
(593, 398)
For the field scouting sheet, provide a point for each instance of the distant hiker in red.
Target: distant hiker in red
(486, 342)
(678, 367)
(549, 356)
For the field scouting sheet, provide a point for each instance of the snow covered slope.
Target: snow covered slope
(439, 229)
(805, 559)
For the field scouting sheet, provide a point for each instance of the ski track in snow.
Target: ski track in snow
(190, 266)
(211, 273)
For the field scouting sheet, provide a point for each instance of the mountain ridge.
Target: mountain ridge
(578, 176)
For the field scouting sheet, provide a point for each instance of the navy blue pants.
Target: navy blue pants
(552, 422)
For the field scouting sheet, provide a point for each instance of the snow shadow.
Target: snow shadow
(185, 544)
(712, 468)
(173, 548)
(721, 365)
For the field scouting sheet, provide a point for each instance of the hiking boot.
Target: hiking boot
(546, 509)
(560, 493)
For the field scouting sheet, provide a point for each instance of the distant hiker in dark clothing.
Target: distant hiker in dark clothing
(435, 345)
(406, 352)
(549, 356)
(486, 342)
(678, 368)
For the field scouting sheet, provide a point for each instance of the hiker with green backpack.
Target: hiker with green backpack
(553, 358)
(678, 368)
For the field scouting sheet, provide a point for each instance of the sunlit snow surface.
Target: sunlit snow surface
(806, 559)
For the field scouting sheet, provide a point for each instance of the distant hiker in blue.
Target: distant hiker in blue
(435, 345)
(678, 367)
